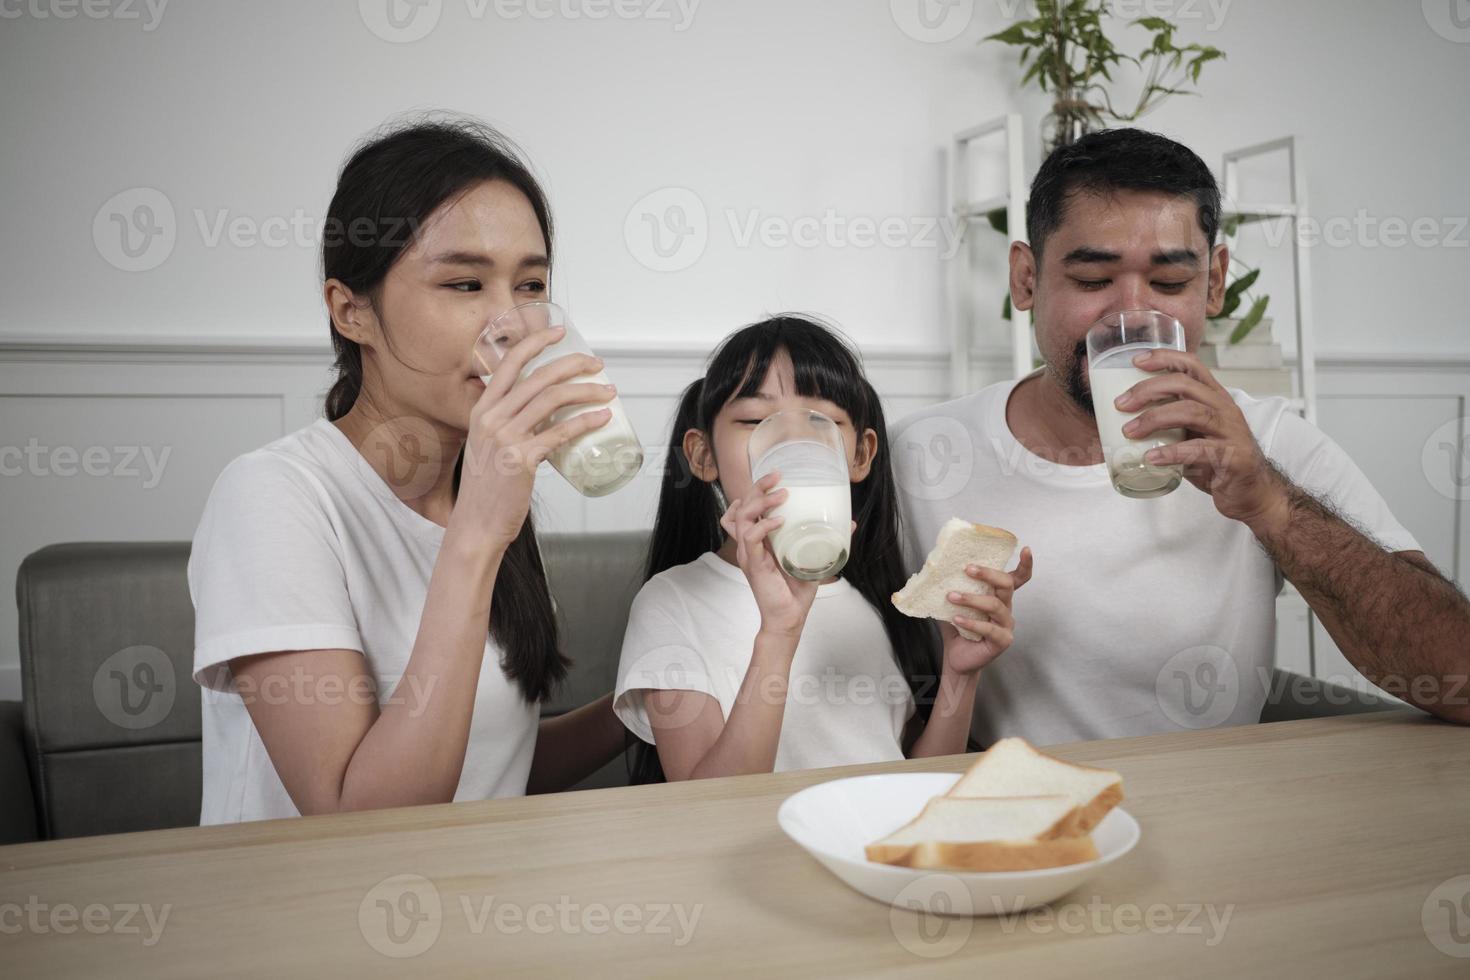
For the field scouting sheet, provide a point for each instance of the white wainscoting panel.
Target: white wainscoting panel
(106, 439)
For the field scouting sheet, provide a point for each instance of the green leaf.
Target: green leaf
(1005, 308)
(1015, 34)
(1000, 220)
(1154, 23)
(1239, 286)
(1230, 226)
(1250, 321)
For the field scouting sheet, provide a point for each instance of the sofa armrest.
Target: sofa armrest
(17, 800)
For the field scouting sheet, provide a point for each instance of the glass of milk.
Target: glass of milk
(807, 448)
(1112, 344)
(597, 462)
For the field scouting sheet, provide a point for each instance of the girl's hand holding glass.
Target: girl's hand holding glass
(783, 601)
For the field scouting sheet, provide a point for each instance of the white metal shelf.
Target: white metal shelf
(968, 208)
(1295, 212)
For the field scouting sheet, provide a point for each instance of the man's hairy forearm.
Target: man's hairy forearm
(1393, 616)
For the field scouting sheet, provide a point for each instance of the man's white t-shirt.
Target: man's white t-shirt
(303, 546)
(1143, 616)
(693, 627)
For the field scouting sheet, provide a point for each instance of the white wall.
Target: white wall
(765, 108)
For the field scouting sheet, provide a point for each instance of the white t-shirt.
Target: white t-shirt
(693, 627)
(1143, 615)
(303, 546)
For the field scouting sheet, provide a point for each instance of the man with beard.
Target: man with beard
(1159, 614)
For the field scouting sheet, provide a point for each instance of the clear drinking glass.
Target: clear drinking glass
(807, 447)
(1112, 344)
(597, 462)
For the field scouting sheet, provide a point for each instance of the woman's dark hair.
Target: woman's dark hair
(688, 520)
(1118, 160)
(387, 190)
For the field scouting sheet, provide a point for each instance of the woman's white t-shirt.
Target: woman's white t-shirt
(303, 546)
(693, 627)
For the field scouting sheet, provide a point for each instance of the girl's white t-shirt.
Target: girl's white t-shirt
(693, 627)
(303, 546)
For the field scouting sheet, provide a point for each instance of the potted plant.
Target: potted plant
(1065, 49)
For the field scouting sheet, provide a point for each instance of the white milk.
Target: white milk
(815, 537)
(603, 460)
(809, 544)
(1113, 374)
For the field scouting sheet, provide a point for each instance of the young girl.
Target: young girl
(729, 665)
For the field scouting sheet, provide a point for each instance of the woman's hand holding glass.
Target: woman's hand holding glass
(507, 440)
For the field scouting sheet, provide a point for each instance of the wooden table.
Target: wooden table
(1332, 846)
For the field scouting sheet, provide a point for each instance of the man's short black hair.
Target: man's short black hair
(1119, 160)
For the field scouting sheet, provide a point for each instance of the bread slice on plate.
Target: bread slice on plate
(960, 543)
(986, 834)
(1012, 767)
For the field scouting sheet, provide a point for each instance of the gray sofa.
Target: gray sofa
(90, 750)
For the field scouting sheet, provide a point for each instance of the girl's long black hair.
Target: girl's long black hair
(387, 190)
(688, 520)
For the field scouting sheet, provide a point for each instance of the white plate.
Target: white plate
(834, 821)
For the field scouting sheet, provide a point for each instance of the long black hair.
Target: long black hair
(688, 520)
(388, 188)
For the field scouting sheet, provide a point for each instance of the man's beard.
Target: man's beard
(1075, 380)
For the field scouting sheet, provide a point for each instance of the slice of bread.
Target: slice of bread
(1011, 767)
(960, 543)
(986, 834)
